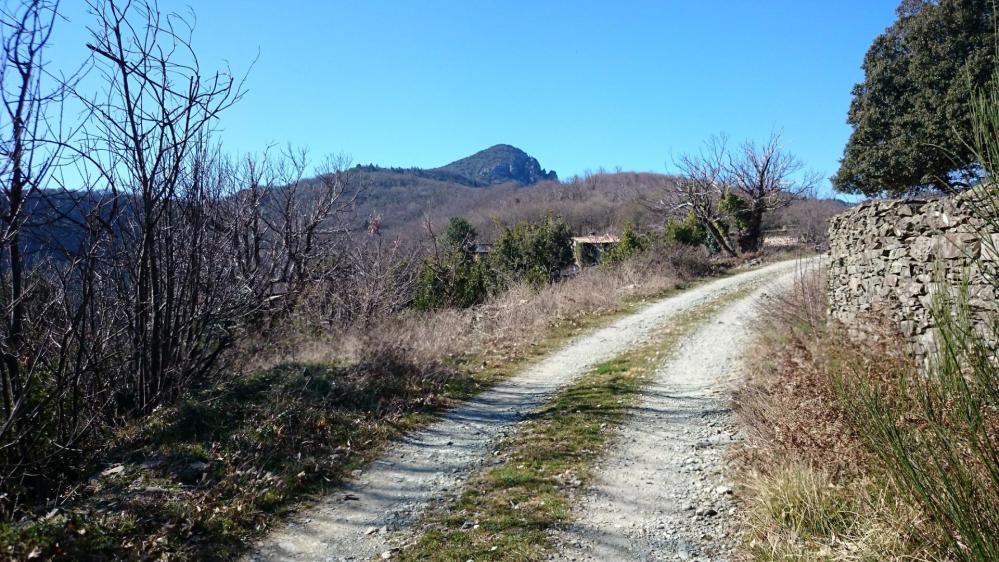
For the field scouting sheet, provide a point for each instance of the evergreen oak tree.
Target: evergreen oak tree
(913, 108)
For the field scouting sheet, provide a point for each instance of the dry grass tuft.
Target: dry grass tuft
(799, 512)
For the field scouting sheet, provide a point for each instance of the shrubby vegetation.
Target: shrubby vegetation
(854, 452)
(453, 276)
(736, 208)
(533, 253)
(631, 243)
(688, 231)
(813, 490)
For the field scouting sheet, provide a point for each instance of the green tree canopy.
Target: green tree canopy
(913, 108)
(461, 235)
(630, 244)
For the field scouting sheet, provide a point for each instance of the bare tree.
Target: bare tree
(202, 246)
(31, 142)
(299, 218)
(161, 254)
(149, 142)
(290, 231)
(769, 178)
(699, 187)
(730, 194)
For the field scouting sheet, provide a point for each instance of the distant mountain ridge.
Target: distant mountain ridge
(498, 164)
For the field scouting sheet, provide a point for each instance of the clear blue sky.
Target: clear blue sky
(579, 85)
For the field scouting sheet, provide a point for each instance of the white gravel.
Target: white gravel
(356, 521)
(662, 494)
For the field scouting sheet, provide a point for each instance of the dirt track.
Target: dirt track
(663, 495)
(356, 521)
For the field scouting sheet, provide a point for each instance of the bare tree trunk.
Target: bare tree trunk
(719, 237)
(750, 239)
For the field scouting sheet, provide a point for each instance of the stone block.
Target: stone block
(990, 248)
(923, 248)
(953, 246)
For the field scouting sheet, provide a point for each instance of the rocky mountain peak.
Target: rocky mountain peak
(501, 163)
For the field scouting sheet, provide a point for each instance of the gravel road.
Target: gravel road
(663, 495)
(356, 521)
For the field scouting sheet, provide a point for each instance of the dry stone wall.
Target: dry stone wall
(889, 259)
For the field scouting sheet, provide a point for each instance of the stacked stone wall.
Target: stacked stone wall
(889, 258)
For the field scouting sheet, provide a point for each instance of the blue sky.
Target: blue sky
(579, 85)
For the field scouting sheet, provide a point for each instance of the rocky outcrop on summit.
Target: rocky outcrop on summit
(498, 164)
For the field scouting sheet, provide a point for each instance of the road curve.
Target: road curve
(355, 522)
